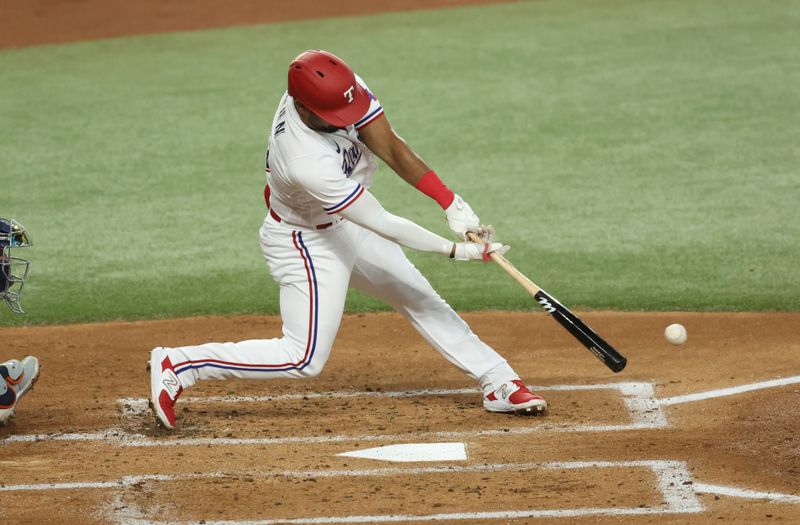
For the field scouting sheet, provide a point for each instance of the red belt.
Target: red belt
(278, 219)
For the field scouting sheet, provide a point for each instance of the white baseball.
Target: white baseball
(676, 334)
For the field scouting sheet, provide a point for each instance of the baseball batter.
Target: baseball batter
(325, 232)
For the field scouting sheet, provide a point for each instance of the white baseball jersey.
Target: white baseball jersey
(315, 175)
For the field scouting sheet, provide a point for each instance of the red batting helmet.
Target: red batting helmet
(328, 87)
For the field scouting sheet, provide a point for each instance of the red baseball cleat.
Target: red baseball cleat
(514, 396)
(165, 388)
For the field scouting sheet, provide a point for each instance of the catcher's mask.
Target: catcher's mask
(13, 270)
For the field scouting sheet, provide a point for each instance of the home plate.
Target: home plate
(408, 452)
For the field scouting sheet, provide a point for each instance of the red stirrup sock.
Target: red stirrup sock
(434, 188)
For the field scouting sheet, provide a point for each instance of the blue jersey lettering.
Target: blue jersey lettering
(350, 158)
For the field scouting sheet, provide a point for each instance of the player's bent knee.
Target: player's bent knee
(313, 368)
(310, 359)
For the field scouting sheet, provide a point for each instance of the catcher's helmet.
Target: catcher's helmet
(327, 87)
(13, 270)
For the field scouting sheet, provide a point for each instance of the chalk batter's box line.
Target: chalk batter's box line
(729, 391)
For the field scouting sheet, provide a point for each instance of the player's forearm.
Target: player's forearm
(406, 163)
(411, 235)
(413, 170)
(369, 213)
(382, 140)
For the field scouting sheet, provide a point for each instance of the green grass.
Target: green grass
(635, 154)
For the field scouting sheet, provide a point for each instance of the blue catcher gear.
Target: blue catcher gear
(13, 270)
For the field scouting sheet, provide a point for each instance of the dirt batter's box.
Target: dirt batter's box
(644, 412)
(670, 492)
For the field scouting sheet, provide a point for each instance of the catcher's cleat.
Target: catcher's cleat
(514, 396)
(165, 388)
(18, 377)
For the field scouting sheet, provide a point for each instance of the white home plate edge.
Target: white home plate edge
(410, 452)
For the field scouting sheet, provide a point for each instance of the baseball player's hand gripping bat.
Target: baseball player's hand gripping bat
(588, 337)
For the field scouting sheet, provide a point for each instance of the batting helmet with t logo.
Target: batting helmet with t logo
(327, 87)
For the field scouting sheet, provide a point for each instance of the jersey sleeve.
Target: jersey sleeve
(375, 109)
(326, 182)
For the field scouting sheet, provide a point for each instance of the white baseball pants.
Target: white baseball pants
(314, 269)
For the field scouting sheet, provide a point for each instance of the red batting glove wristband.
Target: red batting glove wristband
(486, 257)
(434, 188)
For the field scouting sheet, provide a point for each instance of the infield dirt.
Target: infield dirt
(748, 441)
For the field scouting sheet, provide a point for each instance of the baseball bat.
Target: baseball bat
(579, 330)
